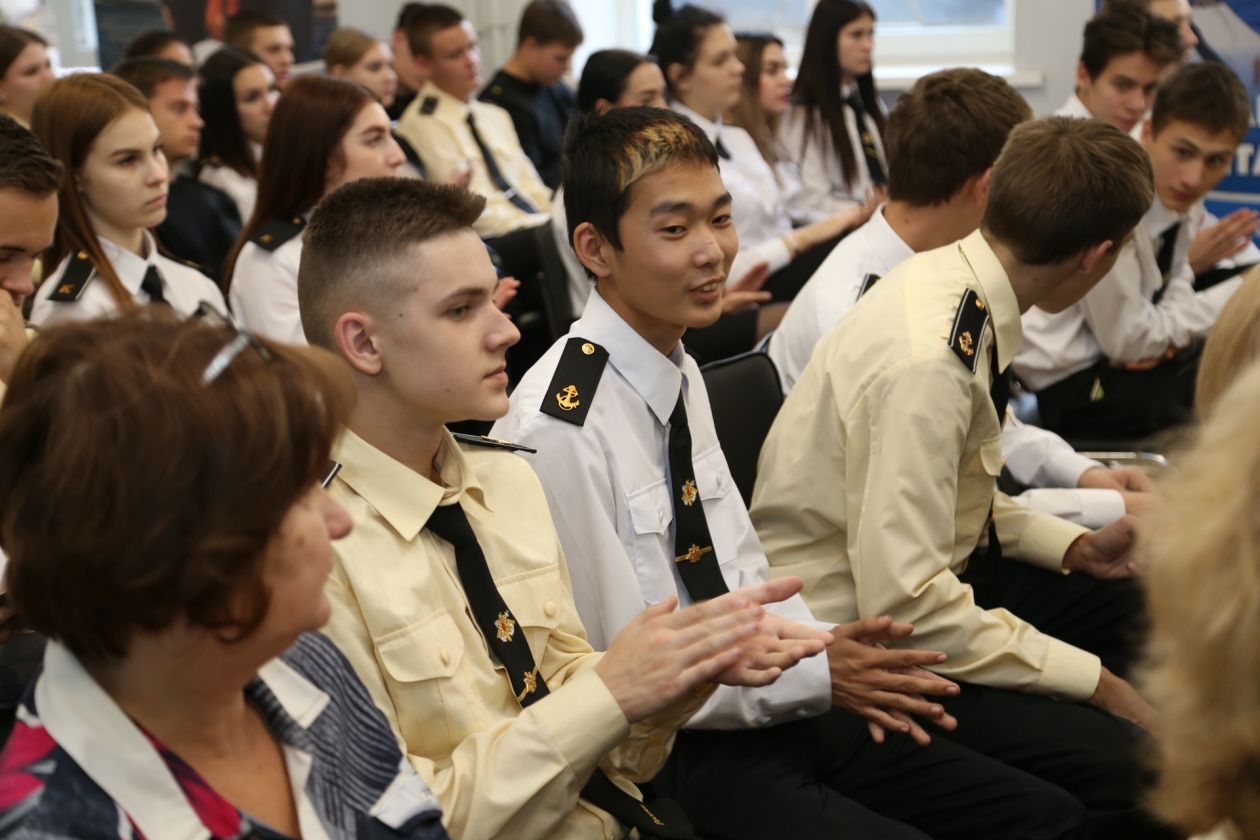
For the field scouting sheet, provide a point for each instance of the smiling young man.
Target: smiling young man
(876, 483)
(202, 221)
(451, 596)
(647, 511)
(1121, 364)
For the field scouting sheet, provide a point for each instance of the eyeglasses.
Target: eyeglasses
(207, 312)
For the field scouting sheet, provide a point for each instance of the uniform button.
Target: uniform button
(550, 608)
(445, 655)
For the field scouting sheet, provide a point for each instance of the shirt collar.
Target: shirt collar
(998, 295)
(109, 747)
(445, 100)
(1159, 218)
(403, 497)
(655, 377)
(1074, 107)
(889, 248)
(130, 267)
(710, 128)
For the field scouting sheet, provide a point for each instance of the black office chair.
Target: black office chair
(554, 281)
(745, 394)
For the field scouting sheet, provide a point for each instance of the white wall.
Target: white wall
(1048, 38)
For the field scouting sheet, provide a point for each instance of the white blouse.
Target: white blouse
(242, 188)
(264, 294)
(824, 190)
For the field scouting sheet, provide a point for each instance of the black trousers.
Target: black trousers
(825, 779)
(1102, 403)
(787, 281)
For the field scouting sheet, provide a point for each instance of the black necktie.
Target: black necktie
(873, 163)
(495, 175)
(721, 149)
(152, 286)
(1000, 394)
(664, 819)
(693, 547)
(1167, 245)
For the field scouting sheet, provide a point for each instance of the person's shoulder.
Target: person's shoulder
(502, 89)
(278, 232)
(564, 94)
(563, 387)
(492, 116)
(194, 189)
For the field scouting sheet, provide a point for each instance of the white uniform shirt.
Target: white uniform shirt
(1117, 319)
(183, 287)
(263, 292)
(760, 220)
(241, 188)
(824, 190)
(1074, 107)
(607, 488)
(1037, 458)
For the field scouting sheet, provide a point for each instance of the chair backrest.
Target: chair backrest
(745, 395)
(555, 282)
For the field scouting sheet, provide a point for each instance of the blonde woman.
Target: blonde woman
(1204, 601)
(355, 55)
(1233, 345)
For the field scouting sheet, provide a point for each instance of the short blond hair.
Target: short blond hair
(1204, 600)
(346, 46)
(1232, 346)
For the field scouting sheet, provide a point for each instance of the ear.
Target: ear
(591, 249)
(424, 64)
(980, 186)
(677, 75)
(1148, 134)
(1082, 76)
(355, 336)
(337, 71)
(530, 43)
(1090, 258)
(602, 106)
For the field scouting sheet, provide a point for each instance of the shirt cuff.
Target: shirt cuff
(586, 724)
(1046, 540)
(1069, 673)
(1099, 507)
(1064, 469)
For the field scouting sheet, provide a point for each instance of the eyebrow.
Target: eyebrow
(467, 291)
(121, 152)
(667, 207)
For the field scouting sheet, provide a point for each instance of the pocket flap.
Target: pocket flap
(650, 509)
(991, 456)
(712, 475)
(532, 597)
(426, 650)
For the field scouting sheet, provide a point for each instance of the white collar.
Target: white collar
(1159, 218)
(655, 377)
(712, 129)
(884, 243)
(130, 267)
(115, 754)
(1074, 107)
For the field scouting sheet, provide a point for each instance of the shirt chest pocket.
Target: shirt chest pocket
(975, 490)
(534, 599)
(436, 705)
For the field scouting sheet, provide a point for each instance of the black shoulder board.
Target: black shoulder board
(867, 283)
(74, 279)
(277, 232)
(491, 443)
(429, 105)
(969, 324)
(573, 386)
(330, 474)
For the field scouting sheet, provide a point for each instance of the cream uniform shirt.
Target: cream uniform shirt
(401, 617)
(436, 126)
(183, 287)
(1037, 458)
(876, 481)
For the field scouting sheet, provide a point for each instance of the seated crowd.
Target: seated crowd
(363, 474)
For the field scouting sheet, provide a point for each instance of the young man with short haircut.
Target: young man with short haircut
(1126, 51)
(410, 77)
(941, 141)
(530, 86)
(646, 510)
(451, 598)
(266, 35)
(876, 483)
(202, 222)
(1121, 363)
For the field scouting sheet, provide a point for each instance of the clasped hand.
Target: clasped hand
(666, 652)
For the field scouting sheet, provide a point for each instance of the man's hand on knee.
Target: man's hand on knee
(1122, 700)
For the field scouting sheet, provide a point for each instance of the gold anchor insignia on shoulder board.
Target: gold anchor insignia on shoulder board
(566, 398)
(266, 237)
(965, 342)
(67, 289)
(505, 627)
(693, 554)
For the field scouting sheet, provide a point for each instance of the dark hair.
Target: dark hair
(356, 235)
(68, 117)
(1128, 27)
(223, 138)
(817, 86)
(748, 113)
(605, 76)
(24, 165)
(426, 21)
(549, 22)
(1063, 185)
(146, 72)
(405, 12)
(151, 43)
(949, 127)
(1208, 94)
(238, 32)
(608, 154)
(133, 494)
(14, 39)
(679, 33)
(313, 115)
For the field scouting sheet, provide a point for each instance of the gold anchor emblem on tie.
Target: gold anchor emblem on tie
(964, 341)
(566, 398)
(693, 554)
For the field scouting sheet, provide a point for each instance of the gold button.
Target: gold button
(83, 255)
(588, 349)
(297, 220)
(445, 656)
(550, 609)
